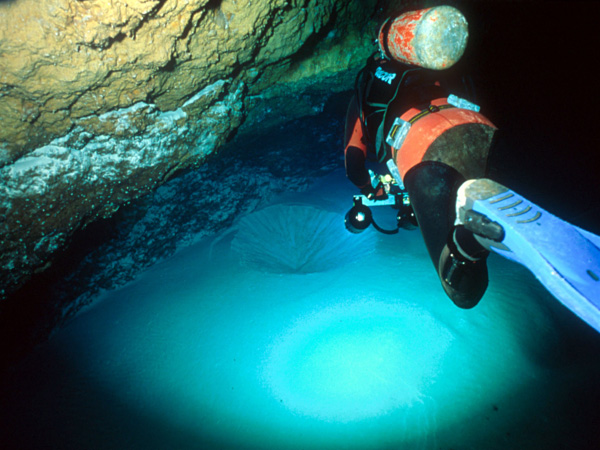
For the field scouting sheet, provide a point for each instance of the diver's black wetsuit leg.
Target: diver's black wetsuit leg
(432, 190)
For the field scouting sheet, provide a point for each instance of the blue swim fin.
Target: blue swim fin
(563, 257)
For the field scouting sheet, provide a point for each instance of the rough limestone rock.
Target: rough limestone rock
(101, 101)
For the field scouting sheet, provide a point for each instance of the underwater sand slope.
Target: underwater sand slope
(202, 351)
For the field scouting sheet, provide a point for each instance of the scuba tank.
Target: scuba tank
(434, 38)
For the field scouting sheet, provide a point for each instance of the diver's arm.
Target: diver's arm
(356, 170)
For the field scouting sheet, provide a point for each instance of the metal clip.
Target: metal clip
(398, 132)
(462, 103)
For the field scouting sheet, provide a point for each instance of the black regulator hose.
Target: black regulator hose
(383, 230)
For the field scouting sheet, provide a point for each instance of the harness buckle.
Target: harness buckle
(398, 132)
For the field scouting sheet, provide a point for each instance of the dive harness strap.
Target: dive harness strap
(400, 128)
(430, 109)
(362, 87)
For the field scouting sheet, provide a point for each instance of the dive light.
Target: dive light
(359, 217)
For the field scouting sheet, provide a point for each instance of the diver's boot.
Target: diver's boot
(462, 268)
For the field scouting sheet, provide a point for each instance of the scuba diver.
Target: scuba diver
(405, 117)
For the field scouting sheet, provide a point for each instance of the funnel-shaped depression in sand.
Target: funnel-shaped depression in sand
(296, 239)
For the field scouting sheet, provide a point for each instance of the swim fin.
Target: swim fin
(563, 257)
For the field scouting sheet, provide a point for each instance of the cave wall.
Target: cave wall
(101, 101)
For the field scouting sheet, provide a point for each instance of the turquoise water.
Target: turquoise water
(211, 349)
